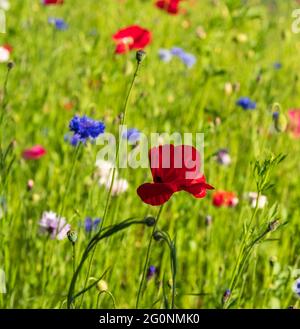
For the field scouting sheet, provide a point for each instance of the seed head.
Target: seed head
(157, 236)
(10, 65)
(72, 236)
(150, 221)
(140, 56)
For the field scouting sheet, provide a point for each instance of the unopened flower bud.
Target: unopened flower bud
(208, 220)
(10, 65)
(72, 236)
(273, 225)
(102, 286)
(272, 260)
(226, 295)
(170, 283)
(140, 56)
(150, 221)
(157, 236)
(228, 88)
(30, 184)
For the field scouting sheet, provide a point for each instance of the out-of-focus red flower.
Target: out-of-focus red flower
(294, 122)
(225, 199)
(68, 105)
(34, 153)
(5, 52)
(8, 47)
(174, 169)
(131, 37)
(52, 2)
(170, 6)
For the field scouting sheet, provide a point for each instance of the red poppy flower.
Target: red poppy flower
(68, 105)
(170, 6)
(132, 37)
(8, 47)
(53, 2)
(224, 198)
(294, 124)
(174, 169)
(34, 153)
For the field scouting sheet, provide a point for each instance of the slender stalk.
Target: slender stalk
(68, 182)
(4, 97)
(174, 271)
(62, 207)
(108, 199)
(147, 257)
(94, 241)
(124, 112)
(110, 295)
(74, 257)
(236, 269)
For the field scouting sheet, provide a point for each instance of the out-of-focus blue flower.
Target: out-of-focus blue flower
(246, 103)
(90, 224)
(3, 206)
(93, 32)
(85, 128)
(151, 272)
(59, 23)
(165, 55)
(132, 135)
(75, 140)
(188, 59)
(177, 51)
(226, 295)
(277, 65)
(223, 157)
(296, 287)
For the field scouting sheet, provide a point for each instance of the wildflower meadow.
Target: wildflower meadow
(149, 154)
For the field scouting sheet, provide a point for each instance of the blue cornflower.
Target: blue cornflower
(188, 59)
(176, 51)
(165, 55)
(277, 65)
(85, 128)
(151, 272)
(296, 287)
(90, 225)
(246, 103)
(132, 135)
(59, 23)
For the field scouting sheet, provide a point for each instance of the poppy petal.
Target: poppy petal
(198, 190)
(187, 158)
(155, 194)
(161, 160)
(170, 164)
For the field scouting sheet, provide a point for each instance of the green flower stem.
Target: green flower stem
(147, 257)
(107, 232)
(236, 270)
(108, 199)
